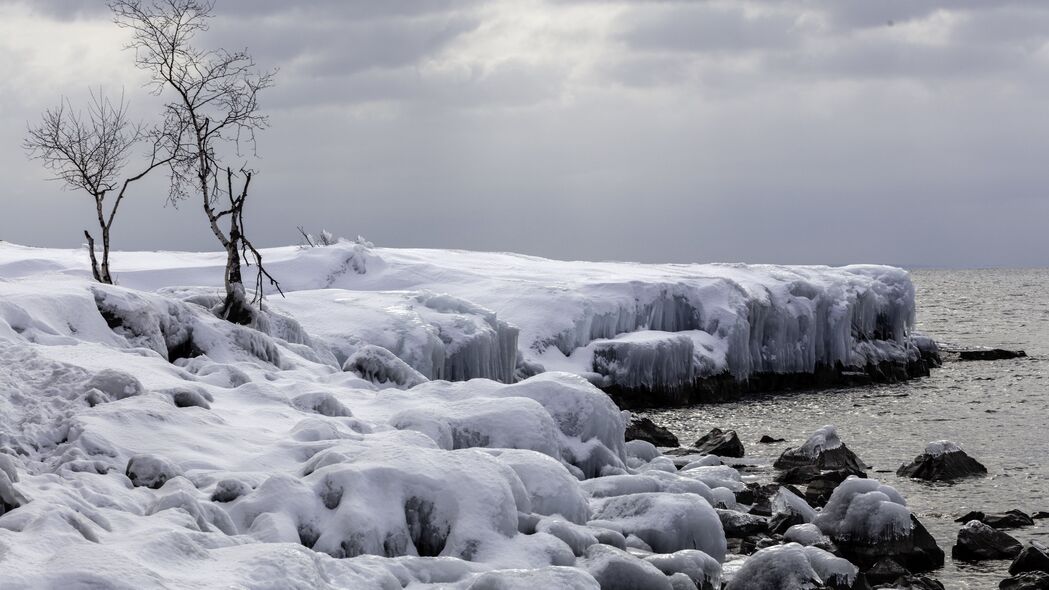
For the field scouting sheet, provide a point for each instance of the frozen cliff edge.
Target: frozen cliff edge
(647, 334)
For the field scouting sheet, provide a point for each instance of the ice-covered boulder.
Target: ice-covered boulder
(978, 541)
(942, 460)
(720, 443)
(703, 570)
(823, 450)
(869, 521)
(615, 569)
(150, 471)
(382, 367)
(552, 488)
(666, 522)
(795, 567)
(531, 579)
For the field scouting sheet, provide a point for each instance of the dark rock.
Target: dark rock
(802, 474)
(990, 354)
(768, 440)
(721, 443)
(1011, 519)
(1040, 515)
(760, 495)
(645, 429)
(1033, 558)
(972, 515)
(822, 450)
(1026, 581)
(738, 525)
(885, 571)
(911, 582)
(781, 521)
(978, 541)
(941, 466)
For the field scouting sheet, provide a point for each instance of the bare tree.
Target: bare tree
(88, 151)
(213, 113)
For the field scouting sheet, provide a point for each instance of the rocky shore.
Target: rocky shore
(817, 519)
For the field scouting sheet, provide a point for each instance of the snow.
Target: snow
(792, 566)
(458, 314)
(941, 447)
(398, 420)
(865, 511)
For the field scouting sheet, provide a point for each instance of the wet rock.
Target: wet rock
(942, 460)
(823, 450)
(1033, 558)
(990, 354)
(768, 440)
(885, 571)
(645, 429)
(912, 582)
(721, 443)
(1011, 519)
(918, 551)
(978, 541)
(1040, 515)
(738, 525)
(802, 474)
(1026, 581)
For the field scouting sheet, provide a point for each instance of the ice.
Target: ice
(824, 439)
(786, 501)
(665, 521)
(805, 534)
(941, 447)
(382, 367)
(615, 569)
(865, 511)
(792, 566)
(703, 570)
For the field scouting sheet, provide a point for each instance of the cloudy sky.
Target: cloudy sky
(898, 131)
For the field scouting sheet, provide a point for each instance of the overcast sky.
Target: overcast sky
(896, 131)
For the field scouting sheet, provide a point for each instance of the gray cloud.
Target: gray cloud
(787, 131)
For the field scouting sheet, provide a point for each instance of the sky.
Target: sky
(905, 132)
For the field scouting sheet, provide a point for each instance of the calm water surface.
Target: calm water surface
(998, 410)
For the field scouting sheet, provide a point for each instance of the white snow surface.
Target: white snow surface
(458, 315)
(402, 419)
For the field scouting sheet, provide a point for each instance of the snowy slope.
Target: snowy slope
(460, 315)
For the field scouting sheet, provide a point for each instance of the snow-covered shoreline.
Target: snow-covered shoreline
(647, 334)
(146, 443)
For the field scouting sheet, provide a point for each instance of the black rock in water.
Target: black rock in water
(1033, 558)
(824, 451)
(768, 440)
(1026, 581)
(978, 541)
(990, 354)
(1040, 515)
(942, 461)
(910, 582)
(1011, 519)
(798, 475)
(885, 571)
(721, 443)
(647, 430)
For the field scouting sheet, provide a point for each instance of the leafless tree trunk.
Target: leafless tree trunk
(88, 152)
(214, 111)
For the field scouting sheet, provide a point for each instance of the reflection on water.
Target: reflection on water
(997, 410)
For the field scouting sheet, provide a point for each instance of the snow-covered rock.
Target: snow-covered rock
(942, 460)
(795, 567)
(823, 450)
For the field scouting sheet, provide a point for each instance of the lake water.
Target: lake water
(997, 410)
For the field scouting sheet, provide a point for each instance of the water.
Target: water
(997, 410)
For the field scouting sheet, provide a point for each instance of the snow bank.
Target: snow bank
(460, 315)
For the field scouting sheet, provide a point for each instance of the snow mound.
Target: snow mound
(866, 511)
(792, 566)
(666, 522)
